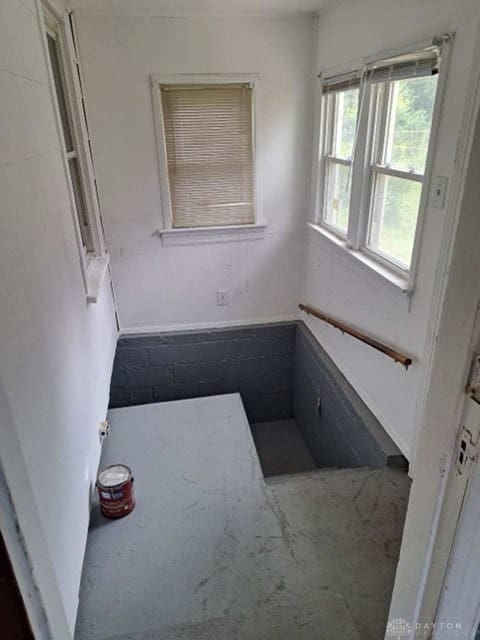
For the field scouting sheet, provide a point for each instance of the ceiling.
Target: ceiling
(201, 7)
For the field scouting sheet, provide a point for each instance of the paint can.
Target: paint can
(115, 491)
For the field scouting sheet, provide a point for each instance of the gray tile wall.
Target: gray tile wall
(257, 361)
(339, 430)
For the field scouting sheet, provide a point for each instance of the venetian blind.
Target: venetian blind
(422, 63)
(341, 82)
(209, 150)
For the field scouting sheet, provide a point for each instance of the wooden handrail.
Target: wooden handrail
(359, 335)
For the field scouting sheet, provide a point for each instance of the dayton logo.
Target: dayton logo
(398, 628)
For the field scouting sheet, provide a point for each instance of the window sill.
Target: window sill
(397, 283)
(209, 235)
(96, 270)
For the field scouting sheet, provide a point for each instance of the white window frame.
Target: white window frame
(366, 162)
(328, 133)
(57, 19)
(384, 95)
(194, 235)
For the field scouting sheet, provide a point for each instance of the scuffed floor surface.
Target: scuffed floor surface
(215, 552)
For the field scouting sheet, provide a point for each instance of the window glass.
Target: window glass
(346, 107)
(341, 109)
(59, 90)
(394, 217)
(411, 111)
(407, 110)
(337, 197)
(80, 202)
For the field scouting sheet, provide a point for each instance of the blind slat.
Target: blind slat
(341, 82)
(209, 149)
(422, 63)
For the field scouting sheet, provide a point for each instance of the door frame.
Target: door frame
(459, 605)
(437, 490)
(21, 564)
(11, 524)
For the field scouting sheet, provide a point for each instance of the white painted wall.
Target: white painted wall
(348, 31)
(160, 286)
(55, 350)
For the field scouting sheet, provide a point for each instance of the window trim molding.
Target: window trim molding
(398, 288)
(354, 242)
(207, 235)
(56, 16)
(204, 234)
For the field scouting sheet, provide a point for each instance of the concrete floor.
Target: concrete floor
(215, 552)
(281, 448)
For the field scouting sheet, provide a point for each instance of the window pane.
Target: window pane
(337, 195)
(410, 123)
(209, 148)
(394, 217)
(80, 203)
(346, 107)
(59, 90)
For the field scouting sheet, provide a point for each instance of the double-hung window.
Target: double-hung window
(403, 96)
(375, 140)
(206, 148)
(69, 100)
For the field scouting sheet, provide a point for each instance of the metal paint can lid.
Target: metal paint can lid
(114, 475)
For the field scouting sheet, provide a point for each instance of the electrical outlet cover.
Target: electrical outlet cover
(222, 297)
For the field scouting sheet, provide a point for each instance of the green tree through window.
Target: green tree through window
(397, 199)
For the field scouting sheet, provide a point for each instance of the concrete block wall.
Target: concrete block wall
(281, 372)
(257, 361)
(339, 430)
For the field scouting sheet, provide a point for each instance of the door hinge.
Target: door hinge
(467, 450)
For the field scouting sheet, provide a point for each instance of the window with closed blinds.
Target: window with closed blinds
(209, 151)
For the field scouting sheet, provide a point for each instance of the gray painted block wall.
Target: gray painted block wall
(338, 428)
(257, 361)
(281, 372)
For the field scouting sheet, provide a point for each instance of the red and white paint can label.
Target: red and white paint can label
(115, 491)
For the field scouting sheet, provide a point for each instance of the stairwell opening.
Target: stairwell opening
(303, 412)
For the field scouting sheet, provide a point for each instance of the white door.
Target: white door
(458, 614)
